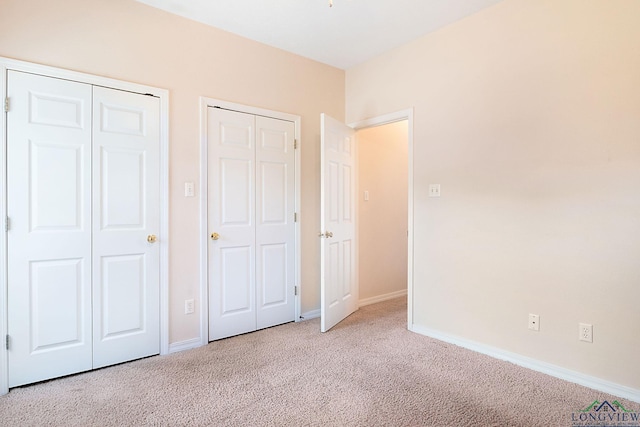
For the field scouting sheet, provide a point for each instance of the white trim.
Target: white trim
(11, 64)
(383, 120)
(205, 103)
(380, 298)
(184, 345)
(4, 362)
(164, 222)
(313, 314)
(535, 365)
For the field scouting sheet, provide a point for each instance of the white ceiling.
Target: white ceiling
(347, 34)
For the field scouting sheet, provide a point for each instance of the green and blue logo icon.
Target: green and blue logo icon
(605, 414)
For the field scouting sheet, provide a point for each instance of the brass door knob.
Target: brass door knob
(215, 236)
(151, 238)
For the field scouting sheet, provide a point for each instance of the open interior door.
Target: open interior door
(338, 261)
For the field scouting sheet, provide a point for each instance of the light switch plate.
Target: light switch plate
(189, 189)
(189, 306)
(434, 190)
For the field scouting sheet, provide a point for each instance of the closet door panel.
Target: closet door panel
(126, 222)
(83, 198)
(49, 241)
(231, 223)
(275, 226)
(251, 222)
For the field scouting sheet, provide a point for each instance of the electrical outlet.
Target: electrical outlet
(585, 331)
(534, 322)
(188, 306)
(434, 190)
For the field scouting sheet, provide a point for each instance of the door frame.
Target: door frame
(205, 103)
(383, 120)
(7, 64)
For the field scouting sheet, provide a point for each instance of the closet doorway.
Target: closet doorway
(251, 219)
(84, 223)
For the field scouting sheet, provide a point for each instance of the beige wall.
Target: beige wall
(127, 40)
(528, 115)
(382, 220)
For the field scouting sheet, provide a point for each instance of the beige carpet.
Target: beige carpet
(368, 371)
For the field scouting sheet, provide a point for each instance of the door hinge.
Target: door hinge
(6, 341)
(6, 224)
(6, 104)
(295, 144)
(295, 292)
(295, 217)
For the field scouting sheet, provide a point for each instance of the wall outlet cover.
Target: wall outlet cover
(534, 322)
(585, 331)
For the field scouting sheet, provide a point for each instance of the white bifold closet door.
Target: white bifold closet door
(251, 204)
(83, 201)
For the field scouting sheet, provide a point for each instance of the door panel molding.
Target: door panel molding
(7, 64)
(269, 144)
(125, 212)
(338, 244)
(49, 245)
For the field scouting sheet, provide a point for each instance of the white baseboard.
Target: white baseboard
(184, 345)
(313, 314)
(535, 365)
(380, 298)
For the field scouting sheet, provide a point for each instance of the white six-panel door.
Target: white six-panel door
(49, 241)
(251, 261)
(126, 222)
(83, 285)
(338, 270)
(231, 199)
(275, 227)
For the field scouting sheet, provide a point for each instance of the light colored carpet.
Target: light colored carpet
(368, 371)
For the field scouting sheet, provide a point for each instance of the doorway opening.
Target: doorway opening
(85, 99)
(339, 199)
(382, 211)
(251, 191)
(379, 235)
